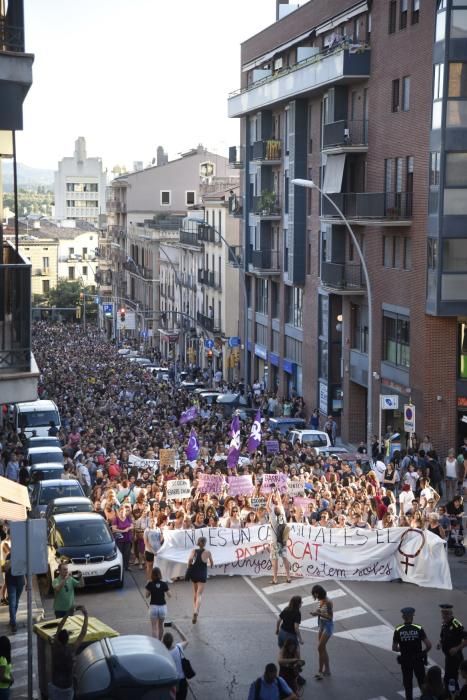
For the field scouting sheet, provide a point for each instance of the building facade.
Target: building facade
(42, 254)
(80, 184)
(367, 100)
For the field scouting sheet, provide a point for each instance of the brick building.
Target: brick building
(368, 100)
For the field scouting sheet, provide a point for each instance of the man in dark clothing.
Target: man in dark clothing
(63, 656)
(452, 641)
(407, 641)
(53, 430)
(14, 586)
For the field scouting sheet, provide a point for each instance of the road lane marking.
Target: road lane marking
(295, 583)
(260, 593)
(338, 615)
(377, 636)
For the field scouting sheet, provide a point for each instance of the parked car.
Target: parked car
(143, 361)
(160, 373)
(311, 438)
(191, 386)
(86, 540)
(284, 424)
(207, 396)
(42, 492)
(45, 471)
(68, 504)
(42, 455)
(42, 442)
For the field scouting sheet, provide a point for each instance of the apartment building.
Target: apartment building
(80, 184)
(19, 373)
(367, 99)
(42, 254)
(77, 248)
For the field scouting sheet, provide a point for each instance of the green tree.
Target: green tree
(67, 294)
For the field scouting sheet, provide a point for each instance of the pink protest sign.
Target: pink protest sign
(241, 486)
(210, 483)
(271, 482)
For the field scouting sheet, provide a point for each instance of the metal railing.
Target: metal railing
(346, 132)
(15, 312)
(190, 238)
(265, 259)
(268, 149)
(342, 275)
(210, 323)
(370, 205)
(207, 234)
(266, 206)
(11, 38)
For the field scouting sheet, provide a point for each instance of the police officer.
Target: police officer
(452, 641)
(408, 639)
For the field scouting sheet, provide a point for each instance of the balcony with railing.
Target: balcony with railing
(207, 234)
(370, 208)
(267, 206)
(115, 206)
(344, 277)
(235, 206)
(18, 370)
(15, 67)
(267, 152)
(345, 63)
(209, 323)
(265, 262)
(346, 136)
(236, 157)
(190, 238)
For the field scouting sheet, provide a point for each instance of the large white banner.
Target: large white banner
(346, 554)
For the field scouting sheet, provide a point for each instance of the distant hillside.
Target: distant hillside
(28, 178)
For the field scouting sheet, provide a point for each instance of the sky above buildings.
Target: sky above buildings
(129, 76)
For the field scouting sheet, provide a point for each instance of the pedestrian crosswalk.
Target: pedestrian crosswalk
(19, 647)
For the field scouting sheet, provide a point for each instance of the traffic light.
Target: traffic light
(122, 314)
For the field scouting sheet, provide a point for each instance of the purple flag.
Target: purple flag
(188, 415)
(192, 449)
(234, 449)
(254, 440)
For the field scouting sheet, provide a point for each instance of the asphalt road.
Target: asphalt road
(234, 637)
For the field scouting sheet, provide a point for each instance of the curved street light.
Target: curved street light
(299, 182)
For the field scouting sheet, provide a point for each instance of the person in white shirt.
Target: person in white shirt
(379, 469)
(450, 470)
(406, 497)
(176, 652)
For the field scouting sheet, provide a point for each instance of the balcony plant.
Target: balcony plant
(267, 202)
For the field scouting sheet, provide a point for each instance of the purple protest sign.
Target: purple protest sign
(210, 483)
(192, 449)
(188, 415)
(272, 446)
(254, 440)
(234, 449)
(241, 486)
(271, 482)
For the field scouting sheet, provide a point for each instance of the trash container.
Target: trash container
(45, 632)
(130, 667)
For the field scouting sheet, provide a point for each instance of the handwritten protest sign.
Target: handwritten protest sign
(178, 488)
(258, 502)
(210, 483)
(272, 446)
(303, 503)
(143, 463)
(167, 458)
(295, 488)
(271, 482)
(240, 486)
(345, 554)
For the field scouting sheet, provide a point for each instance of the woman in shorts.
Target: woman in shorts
(324, 613)
(153, 541)
(157, 589)
(198, 573)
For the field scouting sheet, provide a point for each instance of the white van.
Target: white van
(36, 415)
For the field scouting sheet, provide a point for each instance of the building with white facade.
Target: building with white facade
(79, 188)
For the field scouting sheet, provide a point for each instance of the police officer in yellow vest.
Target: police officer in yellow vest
(452, 641)
(408, 641)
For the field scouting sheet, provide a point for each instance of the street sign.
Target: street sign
(96, 300)
(234, 341)
(409, 418)
(209, 344)
(108, 310)
(389, 403)
(37, 546)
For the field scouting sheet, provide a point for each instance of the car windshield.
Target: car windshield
(314, 440)
(49, 493)
(82, 534)
(43, 457)
(73, 508)
(37, 419)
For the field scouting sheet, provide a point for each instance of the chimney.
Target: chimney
(278, 3)
(162, 157)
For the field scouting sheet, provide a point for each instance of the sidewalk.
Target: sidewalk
(19, 642)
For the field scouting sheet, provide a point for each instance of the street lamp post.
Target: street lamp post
(312, 185)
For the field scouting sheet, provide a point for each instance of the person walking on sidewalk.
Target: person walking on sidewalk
(6, 678)
(176, 651)
(14, 587)
(158, 590)
(63, 656)
(64, 590)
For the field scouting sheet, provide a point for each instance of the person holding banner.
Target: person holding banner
(278, 535)
(197, 573)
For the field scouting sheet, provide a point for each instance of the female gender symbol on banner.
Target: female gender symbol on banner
(407, 556)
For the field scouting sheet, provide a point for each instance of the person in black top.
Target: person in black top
(407, 641)
(157, 589)
(452, 641)
(288, 622)
(53, 430)
(197, 573)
